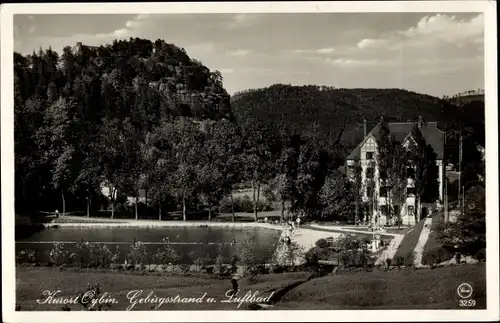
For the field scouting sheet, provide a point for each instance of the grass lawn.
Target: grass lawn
(410, 240)
(32, 281)
(434, 250)
(223, 217)
(396, 289)
(432, 245)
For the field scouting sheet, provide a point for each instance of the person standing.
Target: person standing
(234, 276)
(298, 222)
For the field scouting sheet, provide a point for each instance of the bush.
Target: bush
(59, 255)
(346, 242)
(137, 254)
(436, 256)
(468, 233)
(481, 255)
(165, 255)
(322, 243)
(100, 256)
(243, 204)
(408, 259)
(398, 261)
(202, 262)
(317, 253)
(225, 205)
(26, 256)
(219, 261)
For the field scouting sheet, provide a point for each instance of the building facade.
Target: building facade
(382, 202)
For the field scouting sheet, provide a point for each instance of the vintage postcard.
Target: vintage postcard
(255, 161)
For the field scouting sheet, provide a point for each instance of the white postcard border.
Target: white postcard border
(7, 154)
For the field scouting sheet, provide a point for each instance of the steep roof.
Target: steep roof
(430, 131)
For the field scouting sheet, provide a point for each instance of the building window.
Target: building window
(383, 191)
(370, 172)
(350, 171)
(410, 191)
(369, 155)
(411, 172)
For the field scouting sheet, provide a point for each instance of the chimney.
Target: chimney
(420, 121)
(364, 126)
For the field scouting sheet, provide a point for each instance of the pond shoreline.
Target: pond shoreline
(154, 224)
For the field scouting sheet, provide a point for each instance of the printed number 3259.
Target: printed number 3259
(467, 302)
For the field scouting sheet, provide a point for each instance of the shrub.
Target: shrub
(225, 205)
(219, 260)
(317, 253)
(166, 254)
(59, 255)
(137, 254)
(408, 259)
(398, 261)
(100, 256)
(201, 262)
(294, 250)
(433, 257)
(481, 255)
(26, 256)
(346, 242)
(322, 243)
(243, 204)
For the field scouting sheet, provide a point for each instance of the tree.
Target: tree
(109, 152)
(159, 169)
(468, 233)
(384, 157)
(369, 187)
(210, 169)
(338, 198)
(423, 161)
(61, 152)
(225, 146)
(398, 178)
(305, 193)
(286, 167)
(356, 176)
(187, 143)
(259, 151)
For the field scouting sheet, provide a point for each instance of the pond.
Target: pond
(189, 242)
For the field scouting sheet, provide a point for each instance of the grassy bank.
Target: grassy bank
(400, 289)
(395, 289)
(29, 287)
(409, 242)
(434, 251)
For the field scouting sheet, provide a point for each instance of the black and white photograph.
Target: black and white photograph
(252, 158)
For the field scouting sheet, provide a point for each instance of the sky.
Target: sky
(431, 53)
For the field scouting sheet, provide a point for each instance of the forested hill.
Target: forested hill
(466, 99)
(84, 115)
(339, 112)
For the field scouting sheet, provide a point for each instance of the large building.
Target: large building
(365, 154)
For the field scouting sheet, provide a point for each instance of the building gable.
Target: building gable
(402, 131)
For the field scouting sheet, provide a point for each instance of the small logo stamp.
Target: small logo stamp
(464, 290)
